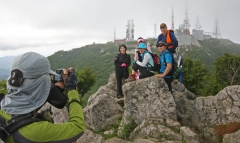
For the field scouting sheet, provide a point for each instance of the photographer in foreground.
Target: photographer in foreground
(29, 88)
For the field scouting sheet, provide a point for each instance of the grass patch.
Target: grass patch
(114, 127)
(162, 135)
(128, 128)
(221, 130)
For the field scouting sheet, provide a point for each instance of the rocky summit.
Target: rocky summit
(149, 113)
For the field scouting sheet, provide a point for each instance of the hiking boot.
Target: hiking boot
(119, 96)
(130, 78)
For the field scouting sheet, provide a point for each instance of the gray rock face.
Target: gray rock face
(232, 138)
(90, 137)
(103, 111)
(158, 129)
(116, 140)
(183, 107)
(148, 98)
(188, 135)
(59, 115)
(220, 109)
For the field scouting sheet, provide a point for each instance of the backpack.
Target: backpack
(156, 66)
(9, 127)
(156, 63)
(177, 61)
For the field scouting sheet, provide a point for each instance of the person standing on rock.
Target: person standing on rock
(122, 62)
(168, 37)
(165, 60)
(143, 66)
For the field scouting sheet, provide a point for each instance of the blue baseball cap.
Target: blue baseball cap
(142, 46)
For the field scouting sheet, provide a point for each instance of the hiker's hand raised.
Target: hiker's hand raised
(159, 75)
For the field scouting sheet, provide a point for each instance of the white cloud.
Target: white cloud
(49, 26)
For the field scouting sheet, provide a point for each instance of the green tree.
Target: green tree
(86, 79)
(211, 85)
(227, 70)
(194, 72)
(3, 87)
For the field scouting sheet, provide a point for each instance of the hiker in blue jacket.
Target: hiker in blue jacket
(122, 62)
(168, 37)
(165, 60)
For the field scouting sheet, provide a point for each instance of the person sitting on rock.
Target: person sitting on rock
(143, 66)
(165, 60)
(137, 57)
(122, 62)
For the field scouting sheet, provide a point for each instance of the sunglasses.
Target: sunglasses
(162, 27)
(160, 45)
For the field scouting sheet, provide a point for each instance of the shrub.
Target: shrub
(221, 130)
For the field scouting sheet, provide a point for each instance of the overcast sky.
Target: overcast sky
(47, 26)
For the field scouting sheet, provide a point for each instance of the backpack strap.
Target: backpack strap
(165, 63)
(19, 121)
(148, 64)
(164, 58)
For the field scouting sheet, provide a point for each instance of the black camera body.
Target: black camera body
(59, 76)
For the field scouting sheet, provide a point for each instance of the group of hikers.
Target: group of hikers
(30, 86)
(144, 64)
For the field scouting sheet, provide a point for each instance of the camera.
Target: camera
(59, 76)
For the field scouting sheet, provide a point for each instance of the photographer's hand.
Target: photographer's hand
(72, 80)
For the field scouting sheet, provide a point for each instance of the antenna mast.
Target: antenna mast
(172, 19)
(130, 30)
(216, 29)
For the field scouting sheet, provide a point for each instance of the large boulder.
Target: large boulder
(148, 98)
(232, 138)
(116, 140)
(157, 129)
(102, 112)
(188, 135)
(220, 109)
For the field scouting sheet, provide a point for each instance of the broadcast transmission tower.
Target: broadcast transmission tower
(216, 29)
(114, 34)
(155, 31)
(172, 19)
(186, 23)
(198, 25)
(130, 30)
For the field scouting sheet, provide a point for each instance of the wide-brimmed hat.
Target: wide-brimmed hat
(33, 69)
